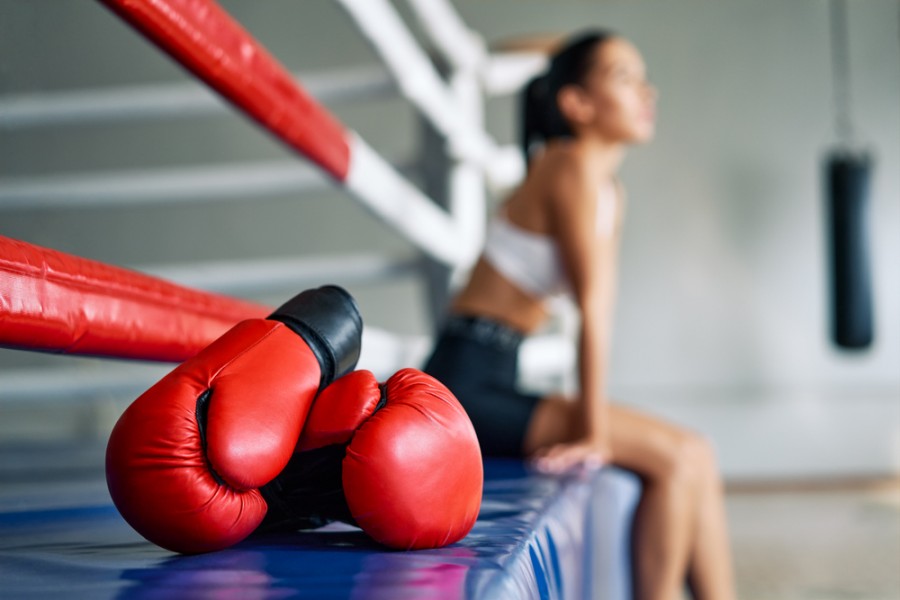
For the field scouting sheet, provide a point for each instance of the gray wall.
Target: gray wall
(724, 288)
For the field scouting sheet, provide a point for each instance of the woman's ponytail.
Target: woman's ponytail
(533, 108)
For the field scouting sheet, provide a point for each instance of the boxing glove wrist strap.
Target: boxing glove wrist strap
(329, 321)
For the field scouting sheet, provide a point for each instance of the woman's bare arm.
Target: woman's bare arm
(589, 260)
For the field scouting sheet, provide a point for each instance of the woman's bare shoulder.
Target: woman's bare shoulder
(563, 166)
(565, 177)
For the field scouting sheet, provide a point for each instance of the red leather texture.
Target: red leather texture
(340, 409)
(55, 302)
(190, 497)
(413, 473)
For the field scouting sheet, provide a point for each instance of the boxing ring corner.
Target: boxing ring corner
(536, 536)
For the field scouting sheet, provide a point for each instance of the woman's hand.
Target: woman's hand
(586, 453)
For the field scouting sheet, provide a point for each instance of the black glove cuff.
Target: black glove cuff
(308, 493)
(328, 320)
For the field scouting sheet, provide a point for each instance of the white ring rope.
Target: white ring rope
(172, 100)
(419, 82)
(463, 48)
(406, 208)
(499, 73)
(213, 183)
(252, 276)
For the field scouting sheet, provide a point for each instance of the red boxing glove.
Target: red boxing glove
(399, 460)
(186, 459)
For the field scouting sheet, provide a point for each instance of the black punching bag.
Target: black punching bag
(848, 176)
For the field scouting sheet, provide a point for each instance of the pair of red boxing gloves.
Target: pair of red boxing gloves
(269, 428)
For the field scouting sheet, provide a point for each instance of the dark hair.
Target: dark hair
(542, 120)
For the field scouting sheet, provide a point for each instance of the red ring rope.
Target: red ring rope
(204, 38)
(56, 302)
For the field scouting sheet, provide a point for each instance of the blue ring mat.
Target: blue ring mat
(536, 537)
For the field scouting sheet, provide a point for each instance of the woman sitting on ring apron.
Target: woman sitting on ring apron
(559, 232)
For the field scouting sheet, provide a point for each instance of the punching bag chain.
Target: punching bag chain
(840, 64)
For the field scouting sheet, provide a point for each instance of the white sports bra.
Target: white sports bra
(532, 260)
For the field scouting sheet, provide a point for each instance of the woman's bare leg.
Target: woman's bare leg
(680, 529)
(711, 563)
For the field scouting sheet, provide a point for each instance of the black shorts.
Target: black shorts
(477, 359)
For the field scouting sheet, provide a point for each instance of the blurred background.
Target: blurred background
(723, 318)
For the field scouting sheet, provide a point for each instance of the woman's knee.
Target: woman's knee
(692, 458)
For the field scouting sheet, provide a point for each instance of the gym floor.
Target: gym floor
(831, 541)
(825, 543)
